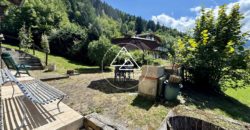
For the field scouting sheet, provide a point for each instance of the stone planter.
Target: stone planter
(152, 71)
(149, 80)
(51, 67)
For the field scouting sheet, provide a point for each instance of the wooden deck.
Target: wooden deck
(39, 117)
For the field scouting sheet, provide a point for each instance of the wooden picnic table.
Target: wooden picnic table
(122, 73)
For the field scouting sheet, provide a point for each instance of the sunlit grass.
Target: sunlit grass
(62, 64)
(241, 94)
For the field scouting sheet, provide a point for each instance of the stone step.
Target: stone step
(28, 58)
(95, 121)
(24, 58)
(29, 62)
(36, 68)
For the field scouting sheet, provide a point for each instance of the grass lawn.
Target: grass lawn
(242, 94)
(89, 93)
(62, 64)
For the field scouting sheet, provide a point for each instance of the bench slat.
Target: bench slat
(36, 90)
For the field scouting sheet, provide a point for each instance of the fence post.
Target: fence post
(33, 47)
(46, 59)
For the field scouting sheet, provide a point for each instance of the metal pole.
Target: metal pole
(1, 39)
(1, 53)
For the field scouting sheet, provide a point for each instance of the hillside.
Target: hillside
(72, 25)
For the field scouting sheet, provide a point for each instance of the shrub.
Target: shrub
(159, 62)
(215, 53)
(141, 58)
(102, 52)
(235, 79)
(25, 38)
(45, 43)
(45, 46)
(68, 41)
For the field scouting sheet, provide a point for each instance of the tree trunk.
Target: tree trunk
(46, 59)
(1, 54)
(33, 47)
(101, 67)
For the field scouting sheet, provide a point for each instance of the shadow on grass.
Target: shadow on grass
(147, 103)
(226, 104)
(109, 86)
(91, 70)
(88, 70)
(143, 103)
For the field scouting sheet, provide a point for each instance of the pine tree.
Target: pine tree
(139, 25)
(23, 37)
(45, 46)
(151, 25)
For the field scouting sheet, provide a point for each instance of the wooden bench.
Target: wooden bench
(35, 90)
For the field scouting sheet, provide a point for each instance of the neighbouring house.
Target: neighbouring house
(148, 43)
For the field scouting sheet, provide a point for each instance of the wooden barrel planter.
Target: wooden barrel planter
(190, 123)
(184, 118)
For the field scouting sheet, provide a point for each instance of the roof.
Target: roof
(150, 36)
(135, 43)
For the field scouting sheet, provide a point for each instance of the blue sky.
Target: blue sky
(174, 8)
(178, 14)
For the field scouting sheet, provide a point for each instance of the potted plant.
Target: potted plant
(172, 87)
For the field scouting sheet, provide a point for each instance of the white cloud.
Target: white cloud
(182, 24)
(244, 9)
(185, 23)
(196, 9)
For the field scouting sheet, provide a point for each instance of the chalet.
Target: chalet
(148, 43)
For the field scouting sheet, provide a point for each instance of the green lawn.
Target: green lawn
(236, 105)
(242, 94)
(62, 64)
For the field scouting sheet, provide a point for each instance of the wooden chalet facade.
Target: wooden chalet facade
(148, 43)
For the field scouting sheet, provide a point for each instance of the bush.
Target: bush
(235, 79)
(102, 52)
(69, 41)
(39, 15)
(215, 52)
(159, 62)
(141, 58)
